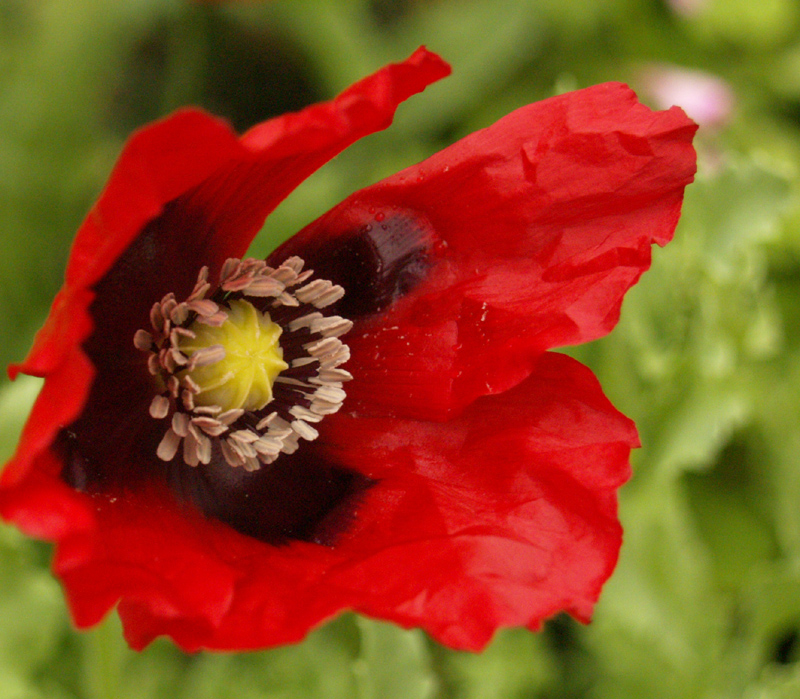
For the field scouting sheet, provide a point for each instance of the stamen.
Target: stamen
(189, 382)
(208, 410)
(204, 449)
(143, 340)
(212, 427)
(174, 386)
(191, 449)
(304, 430)
(207, 356)
(159, 408)
(194, 366)
(230, 416)
(179, 314)
(319, 293)
(301, 322)
(178, 357)
(156, 318)
(187, 398)
(302, 361)
(331, 327)
(265, 286)
(168, 446)
(329, 394)
(153, 365)
(214, 320)
(180, 424)
(265, 422)
(203, 307)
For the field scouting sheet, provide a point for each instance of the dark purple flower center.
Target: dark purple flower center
(145, 419)
(113, 447)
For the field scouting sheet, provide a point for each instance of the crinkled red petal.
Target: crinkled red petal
(185, 192)
(530, 233)
(522, 543)
(450, 539)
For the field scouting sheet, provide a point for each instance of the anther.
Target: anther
(159, 407)
(143, 340)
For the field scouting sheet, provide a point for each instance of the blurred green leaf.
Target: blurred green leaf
(319, 667)
(754, 25)
(393, 663)
(16, 400)
(516, 665)
(697, 428)
(731, 507)
(658, 630)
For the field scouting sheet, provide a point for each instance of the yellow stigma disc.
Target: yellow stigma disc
(253, 359)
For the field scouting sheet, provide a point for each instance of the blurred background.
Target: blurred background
(706, 599)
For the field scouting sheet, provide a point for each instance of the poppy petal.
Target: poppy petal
(185, 192)
(469, 545)
(449, 538)
(526, 234)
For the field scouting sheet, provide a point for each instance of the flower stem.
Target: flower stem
(102, 662)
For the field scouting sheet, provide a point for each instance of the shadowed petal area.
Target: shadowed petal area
(378, 262)
(448, 538)
(299, 497)
(531, 232)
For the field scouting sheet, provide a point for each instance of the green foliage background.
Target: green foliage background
(705, 602)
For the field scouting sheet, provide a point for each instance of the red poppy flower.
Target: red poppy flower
(468, 481)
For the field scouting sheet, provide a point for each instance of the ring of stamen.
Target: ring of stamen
(303, 393)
